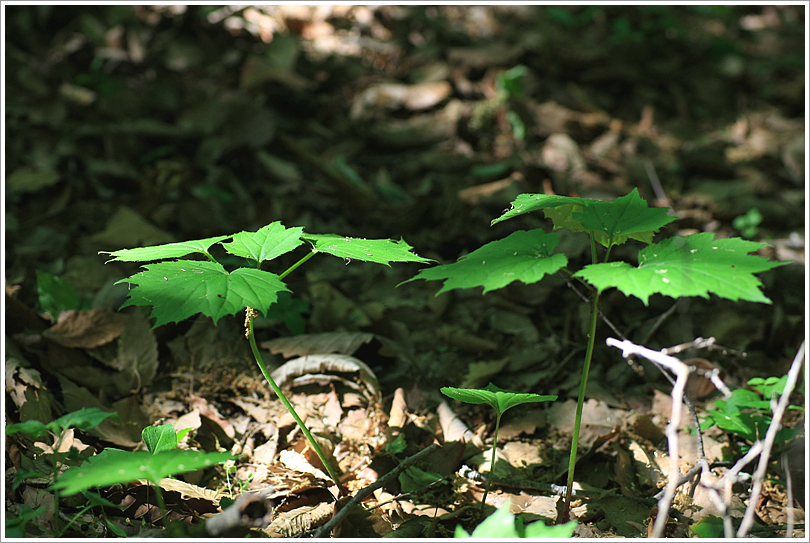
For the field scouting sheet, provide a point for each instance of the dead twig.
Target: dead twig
(791, 520)
(366, 492)
(681, 371)
(770, 437)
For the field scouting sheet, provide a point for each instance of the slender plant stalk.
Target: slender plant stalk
(161, 505)
(572, 461)
(583, 383)
(492, 463)
(295, 266)
(70, 522)
(258, 356)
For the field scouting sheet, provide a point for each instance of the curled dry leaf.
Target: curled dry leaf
(699, 387)
(453, 428)
(418, 130)
(299, 370)
(398, 417)
(86, 329)
(301, 508)
(393, 96)
(298, 462)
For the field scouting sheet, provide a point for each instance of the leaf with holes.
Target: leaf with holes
(163, 252)
(177, 290)
(695, 265)
(381, 251)
(526, 203)
(521, 256)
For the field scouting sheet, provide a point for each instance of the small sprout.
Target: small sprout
(500, 400)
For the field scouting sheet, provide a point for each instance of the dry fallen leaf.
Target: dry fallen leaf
(86, 329)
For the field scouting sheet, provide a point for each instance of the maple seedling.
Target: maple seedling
(178, 289)
(694, 265)
(500, 400)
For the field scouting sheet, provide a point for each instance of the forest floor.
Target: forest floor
(136, 126)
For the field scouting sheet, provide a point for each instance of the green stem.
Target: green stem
(258, 356)
(580, 402)
(295, 266)
(492, 463)
(71, 521)
(583, 383)
(161, 505)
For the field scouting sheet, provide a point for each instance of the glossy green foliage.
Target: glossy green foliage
(611, 223)
(503, 524)
(56, 294)
(380, 251)
(114, 466)
(499, 399)
(159, 438)
(267, 243)
(747, 414)
(708, 527)
(521, 256)
(178, 289)
(83, 419)
(162, 252)
(695, 265)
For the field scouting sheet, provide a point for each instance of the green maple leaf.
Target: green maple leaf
(162, 252)
(526, 203)
(623, 218)
(267, 243)
(695, 265)
(612, 223)
(381, 251)
(521, 256)
(177, 290)
(562, 216)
